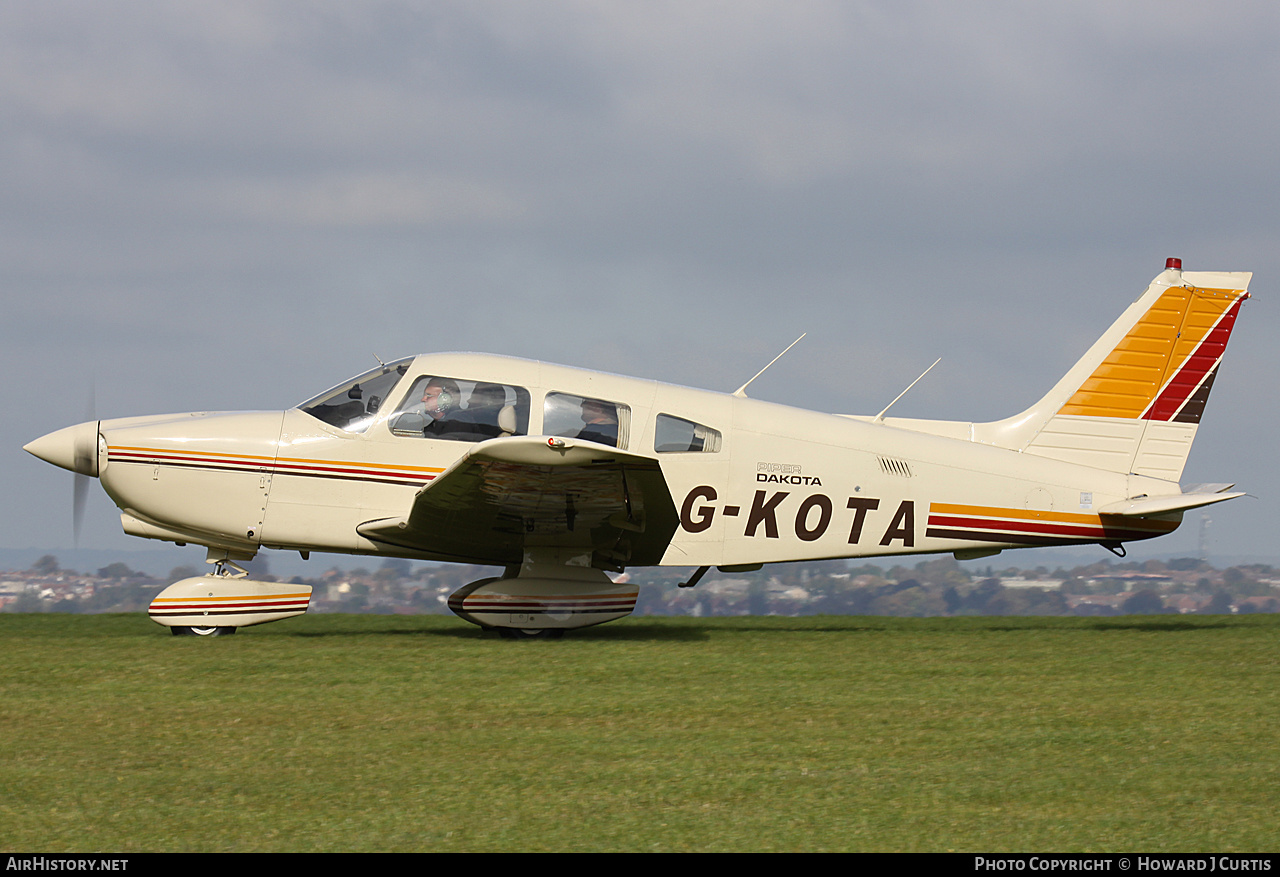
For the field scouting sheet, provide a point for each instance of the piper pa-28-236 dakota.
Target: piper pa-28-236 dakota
(562, 475)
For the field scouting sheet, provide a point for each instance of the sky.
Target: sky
(234, 205)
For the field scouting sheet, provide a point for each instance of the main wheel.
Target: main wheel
(202, 631)
(531, 632)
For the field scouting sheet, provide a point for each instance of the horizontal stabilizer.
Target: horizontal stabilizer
(1144, 506)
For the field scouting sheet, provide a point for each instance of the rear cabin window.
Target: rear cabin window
(676, 435)
(460, 410)
(581, 417)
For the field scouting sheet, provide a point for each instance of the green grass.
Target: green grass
(421, 733)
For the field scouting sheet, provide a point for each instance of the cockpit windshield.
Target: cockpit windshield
(351, 406)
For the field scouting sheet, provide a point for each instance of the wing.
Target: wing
(510, 495)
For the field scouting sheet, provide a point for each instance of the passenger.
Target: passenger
(600, 422)
(486, 402)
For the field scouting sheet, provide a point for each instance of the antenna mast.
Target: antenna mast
(879, 417)
(741, 392)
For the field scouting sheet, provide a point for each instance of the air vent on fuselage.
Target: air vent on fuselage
(890, 466)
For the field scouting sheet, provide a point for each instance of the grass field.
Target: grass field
(822, 733)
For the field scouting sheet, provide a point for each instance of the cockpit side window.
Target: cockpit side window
(455, 409)
(353, 405)
(593, 420)
(675, 435)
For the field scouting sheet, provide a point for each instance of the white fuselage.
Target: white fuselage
(775, 484)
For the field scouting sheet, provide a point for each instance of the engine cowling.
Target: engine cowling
(223, 601)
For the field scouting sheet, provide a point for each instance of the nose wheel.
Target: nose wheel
(223, 570)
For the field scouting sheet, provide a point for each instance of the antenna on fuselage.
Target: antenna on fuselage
(879, 417)
(401, 368)
(741, 392)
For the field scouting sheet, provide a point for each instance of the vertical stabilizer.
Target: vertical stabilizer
(1134, 401)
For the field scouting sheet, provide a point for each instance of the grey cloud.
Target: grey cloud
(234, 204)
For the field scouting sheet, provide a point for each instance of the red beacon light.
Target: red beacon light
(1173, 264)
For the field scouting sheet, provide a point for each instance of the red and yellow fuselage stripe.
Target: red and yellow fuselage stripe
(342, 469)
(1036, 527)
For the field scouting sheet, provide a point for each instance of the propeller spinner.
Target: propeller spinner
(74, 448)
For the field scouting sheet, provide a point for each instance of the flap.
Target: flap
(510, 495)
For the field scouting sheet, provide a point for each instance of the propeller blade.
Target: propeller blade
(80, 493)
(86, 461)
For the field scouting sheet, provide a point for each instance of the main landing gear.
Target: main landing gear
(531, 633)
(202, 631)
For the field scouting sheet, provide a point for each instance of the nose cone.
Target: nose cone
(74, 448)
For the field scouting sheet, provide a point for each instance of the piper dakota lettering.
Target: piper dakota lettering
(785, 473)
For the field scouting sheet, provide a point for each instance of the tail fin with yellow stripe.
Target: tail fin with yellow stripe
(1134, 401)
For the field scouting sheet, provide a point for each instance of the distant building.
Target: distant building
(1042, 584)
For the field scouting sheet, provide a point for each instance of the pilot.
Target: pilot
(440, 402)
(600, 422)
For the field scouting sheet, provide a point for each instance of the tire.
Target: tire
(202, 631)
(531, 633)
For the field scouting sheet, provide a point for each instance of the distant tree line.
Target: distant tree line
(936, 586)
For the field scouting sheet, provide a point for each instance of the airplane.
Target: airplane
(563, 475)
